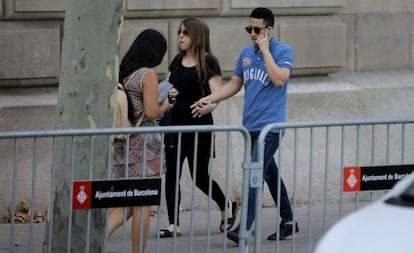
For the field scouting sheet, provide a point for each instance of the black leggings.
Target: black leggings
(202, 176)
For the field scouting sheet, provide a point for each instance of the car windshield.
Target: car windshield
(406, 198)
(409, 192)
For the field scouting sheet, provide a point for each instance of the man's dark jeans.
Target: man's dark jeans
(270, 174)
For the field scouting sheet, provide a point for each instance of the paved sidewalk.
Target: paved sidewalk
(217, 241)
(200, 241)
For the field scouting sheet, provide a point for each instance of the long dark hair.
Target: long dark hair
(147, 50)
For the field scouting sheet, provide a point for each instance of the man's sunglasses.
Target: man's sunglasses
(256, 30)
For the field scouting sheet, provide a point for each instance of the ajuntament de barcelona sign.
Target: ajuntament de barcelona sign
(116, 193)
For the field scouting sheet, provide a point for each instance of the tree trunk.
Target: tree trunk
(87, 96)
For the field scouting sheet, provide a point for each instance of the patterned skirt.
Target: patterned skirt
(144, 156)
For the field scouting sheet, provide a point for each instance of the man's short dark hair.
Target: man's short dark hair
(265, 14)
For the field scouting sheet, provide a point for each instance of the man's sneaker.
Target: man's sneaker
(233, 236)
(285, 229)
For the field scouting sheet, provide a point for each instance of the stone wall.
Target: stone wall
(327, 36)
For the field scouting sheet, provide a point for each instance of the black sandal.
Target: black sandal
(230, 221)
(165, 233)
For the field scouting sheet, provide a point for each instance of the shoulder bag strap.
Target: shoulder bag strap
(140, 120)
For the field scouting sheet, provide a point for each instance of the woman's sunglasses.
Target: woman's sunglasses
(184, 32)
(256, 30)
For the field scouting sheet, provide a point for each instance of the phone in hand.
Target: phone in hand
(268, 31)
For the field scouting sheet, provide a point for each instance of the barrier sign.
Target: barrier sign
(374, 177)
(116, 193)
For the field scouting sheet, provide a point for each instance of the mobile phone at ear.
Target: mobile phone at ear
(268, 30)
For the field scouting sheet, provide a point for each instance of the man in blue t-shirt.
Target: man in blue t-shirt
(263, 68)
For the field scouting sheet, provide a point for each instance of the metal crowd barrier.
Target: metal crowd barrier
(312, 157)
(28, 150)
(311, 160)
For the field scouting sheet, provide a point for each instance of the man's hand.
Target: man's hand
(262, 40)
(202, 107)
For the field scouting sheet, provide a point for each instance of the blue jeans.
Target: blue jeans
(270, 174)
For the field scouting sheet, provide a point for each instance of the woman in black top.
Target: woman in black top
(195, 73)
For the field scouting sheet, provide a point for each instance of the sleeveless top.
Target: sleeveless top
(141, 145)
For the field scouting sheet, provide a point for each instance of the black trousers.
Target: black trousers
(201, 167)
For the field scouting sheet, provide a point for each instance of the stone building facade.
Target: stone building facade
(327, 35)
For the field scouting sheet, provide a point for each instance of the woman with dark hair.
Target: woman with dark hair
(141, 85)
(195, 73)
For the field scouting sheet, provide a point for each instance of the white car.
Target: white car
(383, 226)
